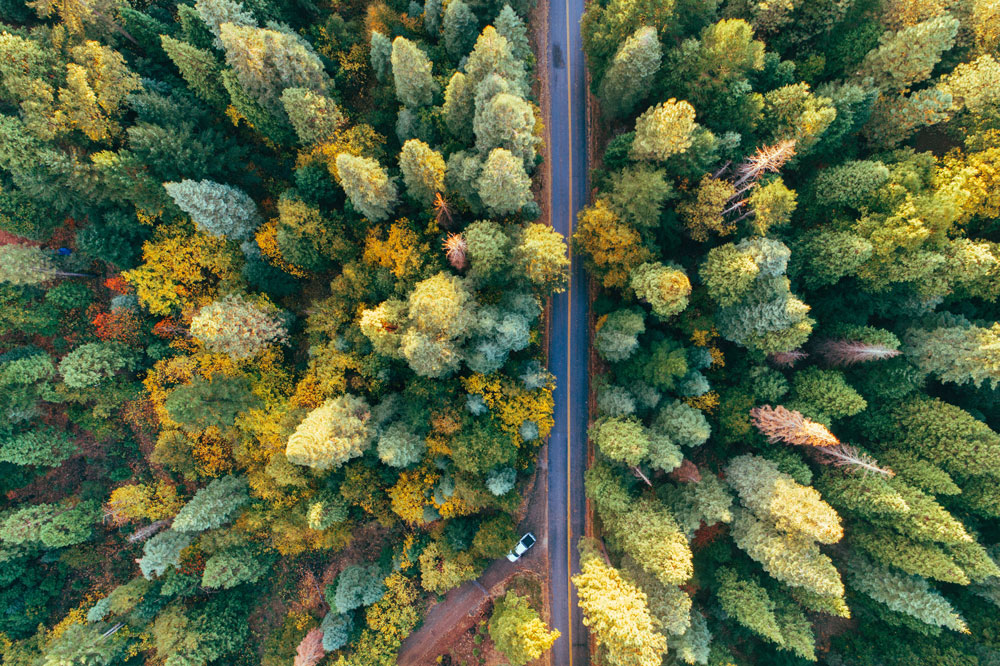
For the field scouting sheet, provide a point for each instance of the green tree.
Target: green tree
(215, 13)
(423, 171)
(337, 628)
(411, 72)
(459, 106)
(370, 189)
(664, 130)
(908, 56)
(163, 551)
(25, 265)
(506, 121)
(637, 194)
(432, 17)
(268, 61)
(631, 73)
(44, 446)
(512, 28)
(49, 525)
(199, 68)
(231, 567)
(517, 630)
(605, 27)
(381, 56)
(503, 185)
(357, 585)
(617, 334)
(332, 434)
(962, 354)
(203, 404)
(623, 440)
(399, 446)
(488, 251)
(217, 209)
(665, 288)
(459, 25)
(213, 506)
(314, 116)
(236, 326)
(91, 363)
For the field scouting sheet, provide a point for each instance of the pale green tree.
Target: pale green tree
(332, 434)
(631, 73)
(423, 171)
(411, 72)
(217, 209)
(237, 326)
(370, 189)
(314, 116)
(503, 185)
(664, 130)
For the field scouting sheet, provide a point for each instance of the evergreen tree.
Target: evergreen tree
(49, 525)
(664, 130)
(314, 116)
(215, 13)
(423, 171)
(399, 446)
(411, 72)
(332, 434)
(231, 567)
(503, 185)
(163, 551)
(962, 354)
(357, 585)
(217, 209)
(43, 446)
(617, 334)
(25, 265)
(203, 404)
(200, 69)
(367, 185)
(506, 121)
(907, 57)
(540, 256)
(91, 363)
(665, 288)
(631, 73)
(381, 56)
(432, 17)
(460, 26)
(213, 506)
(513, 29)
(234, 325)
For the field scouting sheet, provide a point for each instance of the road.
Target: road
(568, 334)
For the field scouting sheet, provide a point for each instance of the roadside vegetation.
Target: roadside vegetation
(272, 374)
(794, 240)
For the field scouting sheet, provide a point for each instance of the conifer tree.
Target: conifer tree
(459, 25)
(231, 567)
(617, 335)
(423, 170)
(217, 209)
(513, 29)
(665, 288)
(506, 121)
(399, 446)
(200, 69)
(203, 404)
(314, 116)
(381, 56)
(43, 446)
(48, 525)
(458, 106)
(611, 248)
(503, 185)
(213, 506)
(540, 256)
(907, 57)
(432, 17)
(215, 13)
(357, 585)
(664, 130)
(962, 354)
(649, 534)
(631, 73)
(91, 363)
(163, 551)
(332, 434)
(25, 265)
(236, 326)
(370, 189)
(411, 72)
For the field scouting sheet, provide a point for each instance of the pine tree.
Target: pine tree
(199, 68)
(217, 12)
(746, 601)
(216, 403)
(25, 265)
(907, 57)
(44, 446)
(649, 534)
(337, 628)
(623, 440)
(268, 61)
(617, 334)
(664, 130)
(423, 171)
(381, 56)
(236, 326)
(367, 185)
(91, 363)
(217, 209)
(163, 551)
(48, 525)
(459, 25)
(962, 354)
(432, 17)
(314, 116)
(637, 194)
(946, 435)
(665, 287)
(616, 612)
(411, 72)
(332, 434)
(493, 55)
(513, 29)
(459, 108)
(704, 214)
(517, 630)
(503, 185)
(506, 121)
(631, 73)
(231, 567)
(213, 506)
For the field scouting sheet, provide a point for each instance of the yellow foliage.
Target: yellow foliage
(213, 452)
(358, 140)
(409, 494)
(308, 393)
(401, 250)
(142, 501)
(181, 269)
(706, 403)
(267, 241)
(513, 404)
(612, 248)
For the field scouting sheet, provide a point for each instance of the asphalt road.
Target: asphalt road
(568, 338)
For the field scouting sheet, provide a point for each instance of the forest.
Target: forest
(271, 364)
(794, 245)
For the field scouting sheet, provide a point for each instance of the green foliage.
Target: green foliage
(332, 434)
(411, 72)
(357, 585)
(215, 403)
(219, 210)
(232, 567)
(238, 327)
(91, 363)
(213, 506)
(44, 446)
(25, 265)
(369, 188)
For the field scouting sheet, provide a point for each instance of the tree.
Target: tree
(617, 334)
(907, 57)
(458, 107)
(517, 630)
(213, 506)
(217, 209)
(772, 206)
(44, 446)
(236, 326)
(488, 251)
(648, 533)
(423, 171)
(216, 403)
(231, 567)
(198, 67)
(381, 56)
(432, 17)
(399, 446)
(611, 248)
(314, 116)
(748, 603)
(310, 650)
(90, 364)
(49, 525)
(540, 256)
(460, 26)
(337, 628)
(503, 185)
(370, 189)
(606, 27)
(493, 55)
(631, 73)
(512, 28)
(962, 354)
(442, 569)
(665, 288)
(332, 434)
(623, 440)
(637, 194)
(215, 13)
(163, 551)
(704, 214)
(505, 120)
(268, 61)
(616, 612)
(411, 72)
(664, 130)
(25, 265)
(357, 585)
